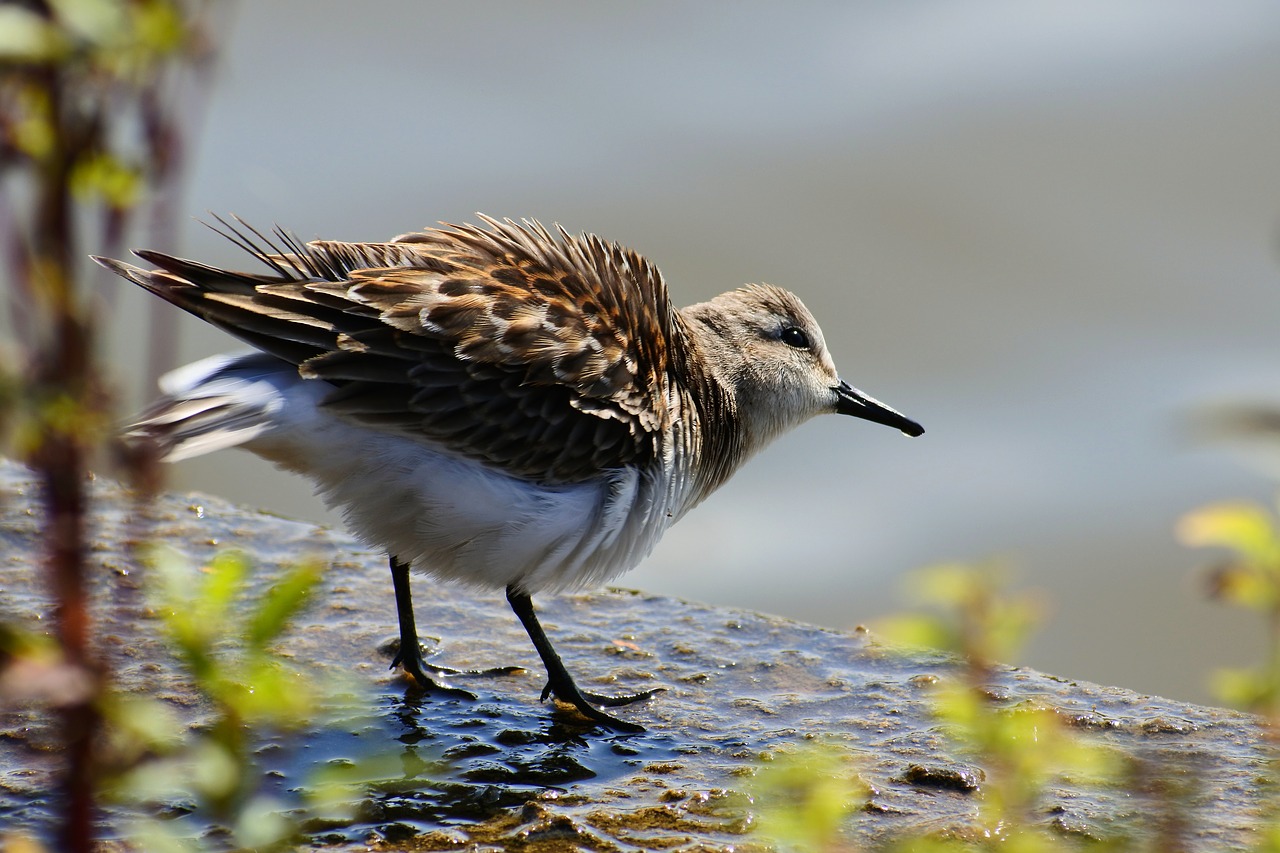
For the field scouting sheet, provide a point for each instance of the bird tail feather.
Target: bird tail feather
(222, 401)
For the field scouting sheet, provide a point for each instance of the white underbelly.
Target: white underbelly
(462, 520)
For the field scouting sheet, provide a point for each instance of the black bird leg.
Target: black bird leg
(559, 681)
(428, 676)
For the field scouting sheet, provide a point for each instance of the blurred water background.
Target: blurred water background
(1046, 230)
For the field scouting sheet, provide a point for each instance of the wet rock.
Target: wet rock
(506, 769)
(959, 778)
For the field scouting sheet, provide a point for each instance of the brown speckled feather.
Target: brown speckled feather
(544, 355)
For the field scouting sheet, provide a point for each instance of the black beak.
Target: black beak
(851, 401)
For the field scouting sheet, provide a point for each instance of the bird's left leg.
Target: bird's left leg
(559, 681)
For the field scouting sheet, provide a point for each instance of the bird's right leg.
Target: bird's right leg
(428, 676)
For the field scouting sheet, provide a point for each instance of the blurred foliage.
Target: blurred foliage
(1017, 752)
(1020, 750)
(1250, 579)
(225, 644)
(971, 616)
(803, 798)
(150, 762)
(91, 111)
(112, 54)
(225, 641)
(95, 102)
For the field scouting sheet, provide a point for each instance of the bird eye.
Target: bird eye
(794, 337)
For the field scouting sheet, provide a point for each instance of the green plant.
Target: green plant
(1250, 579)
(802, 798)
(1020, 749)
(225, 641)
(85, 130)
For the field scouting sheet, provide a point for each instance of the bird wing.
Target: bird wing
(545, 355)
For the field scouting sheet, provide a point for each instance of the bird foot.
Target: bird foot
(586, 703)
(601, 699)
(433, 678)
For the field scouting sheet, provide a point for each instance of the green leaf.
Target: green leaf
(1239, 688)
(283, 601)
(1010, 621)
(271, 693)
(946, 584)
(141, 724)
(262, 823)
(28, 37)
(102, 176)
(1243, 527)
(917, 630)
(224, 581)
(962, 707)
(174, 600)
(158, 25)
(805, 797)
(95, 21)
(215, 770)
(1245, 585)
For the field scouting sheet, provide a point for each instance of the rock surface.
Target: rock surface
(740, 689)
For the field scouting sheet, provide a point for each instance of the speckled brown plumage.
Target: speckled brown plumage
(545, 356)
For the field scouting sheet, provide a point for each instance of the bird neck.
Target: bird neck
(711, 426)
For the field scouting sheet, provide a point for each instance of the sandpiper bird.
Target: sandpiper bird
(503, 406)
